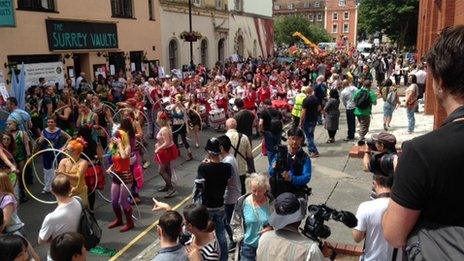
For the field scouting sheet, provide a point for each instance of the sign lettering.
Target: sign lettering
(71, 35)
(6, 13)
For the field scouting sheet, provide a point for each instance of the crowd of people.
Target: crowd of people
(86, 131)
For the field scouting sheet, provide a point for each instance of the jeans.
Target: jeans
(218, 217)
(308, 129)
(248, 253)
(229, 209)
(411, 119)
(351, 121)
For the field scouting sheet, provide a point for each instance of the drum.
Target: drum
(165, 101)
(232, 108)
(217, 118)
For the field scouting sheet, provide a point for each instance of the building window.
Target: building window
(238, 5)
(204, 52)
(219, 4)
(319, 16)
(151, 10)
(307, 5)
(37, 5)
(342, 2)
(335, 28)
(122, 8)
(173, 54)
(335, 16)
(346, 28)
(290, 6)
(346, 16)
(276, 7)
(317, 4)
(311, 17)
(196, 2)
(221, 48)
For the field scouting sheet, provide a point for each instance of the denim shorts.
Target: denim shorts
(388, 109)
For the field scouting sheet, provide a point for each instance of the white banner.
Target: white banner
(52, 72)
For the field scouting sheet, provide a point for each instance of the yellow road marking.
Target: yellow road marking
(143, 233)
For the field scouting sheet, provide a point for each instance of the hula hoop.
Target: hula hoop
(94, 172)
(199, 116)
(130, 194)
(26, 188)
(33, 163)
(109, 105)
(133, 109)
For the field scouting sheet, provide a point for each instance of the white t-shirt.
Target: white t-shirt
(369, 217)
(65, 218)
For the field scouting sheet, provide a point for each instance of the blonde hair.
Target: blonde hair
(124, 138)
(261, 180)
(5, 183)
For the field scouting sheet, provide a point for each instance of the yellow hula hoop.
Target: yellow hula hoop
(27, 163)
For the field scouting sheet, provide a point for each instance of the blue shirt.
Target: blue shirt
(255, 218)
(21, 117)
(297, 181)
(171, 253)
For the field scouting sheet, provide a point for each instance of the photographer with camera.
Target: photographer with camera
(369, 226)
(285, 242)
(290, 170)
(380, 156)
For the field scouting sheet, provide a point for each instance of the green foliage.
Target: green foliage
(397, 19)
(285, 26)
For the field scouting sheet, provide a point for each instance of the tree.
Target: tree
(396, 18)
(285, 26)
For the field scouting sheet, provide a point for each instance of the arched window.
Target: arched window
(173, 54)
(255, 48)
(240, 46)
(204, 52)
(221, 50)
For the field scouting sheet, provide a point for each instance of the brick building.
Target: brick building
(338, 17)
(313, 10)
(341, 19)
(433, 17)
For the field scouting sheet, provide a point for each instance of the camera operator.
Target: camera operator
(380, 155)
(285, 242)
(290, 170)
(369, 226)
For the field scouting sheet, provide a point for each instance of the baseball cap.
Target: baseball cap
(213, 146)
(385, 137)
(287, 210)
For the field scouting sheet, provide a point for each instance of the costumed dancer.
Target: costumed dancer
(120, 151)
(165, 152)
(74, 168)
(58, 139)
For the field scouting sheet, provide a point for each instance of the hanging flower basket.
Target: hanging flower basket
(190, 36)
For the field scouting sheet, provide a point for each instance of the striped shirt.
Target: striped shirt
(209, 252)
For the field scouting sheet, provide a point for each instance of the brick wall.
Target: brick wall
(433, 17)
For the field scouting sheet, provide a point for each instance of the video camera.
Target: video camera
(315, 228)
(379, 161)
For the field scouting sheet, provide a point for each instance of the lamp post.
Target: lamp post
(190, 31)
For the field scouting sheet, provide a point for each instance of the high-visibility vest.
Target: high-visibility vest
(298, 104)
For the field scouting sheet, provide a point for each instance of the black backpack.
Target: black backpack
(88, 227)
(363, 100)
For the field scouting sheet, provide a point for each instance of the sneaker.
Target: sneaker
(196, 145)
(171, 193)
(146, 164)
(44, 192)
(314, 155)
(232, 246)
(163, 189)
